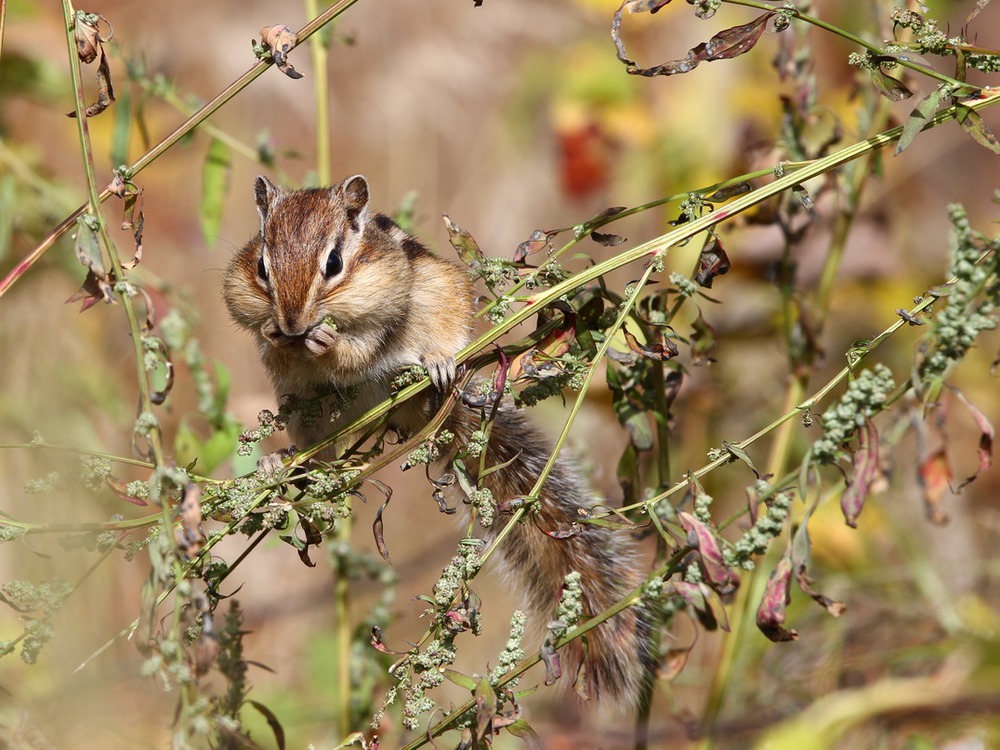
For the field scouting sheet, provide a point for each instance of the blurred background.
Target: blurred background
(509, 117)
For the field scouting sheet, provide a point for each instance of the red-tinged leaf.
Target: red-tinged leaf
(378, 530)
(552, 661)
(93, 290)
(703, 539)
(935, 480)
(272, 722)
(379, 645)
(120, 489)
(279, 40)
(607, 240)
(539, 240)
(918, 119)
(973, 124)
(866, 470)
(465, 245)
(986, 435)
(712, 262)
(661, 350)
(500, 376)
(771, 612)
(702, 342)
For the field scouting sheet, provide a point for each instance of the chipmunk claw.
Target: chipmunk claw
(441, 368)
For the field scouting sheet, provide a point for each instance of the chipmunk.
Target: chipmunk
(339, 297)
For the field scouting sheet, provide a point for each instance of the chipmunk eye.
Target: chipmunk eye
(334, 261)
(261, 269)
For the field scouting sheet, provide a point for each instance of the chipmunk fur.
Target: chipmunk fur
(339, 297)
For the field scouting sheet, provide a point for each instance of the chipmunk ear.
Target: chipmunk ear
(356, 201)
(264, 192)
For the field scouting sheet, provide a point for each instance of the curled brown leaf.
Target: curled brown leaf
(279, 40)
(90, 47)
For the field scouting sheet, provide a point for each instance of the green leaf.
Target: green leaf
(523, 730)
(462, 680)
(918, 118)
(214, 186)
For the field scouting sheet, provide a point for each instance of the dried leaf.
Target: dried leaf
(463, 242)
(801, 558)
(986, 434)
(740, 454)
(90, 47)
(712, 262)
(214, 187)
(935, 480)
(607, 240)
(910, 319)
(703, 539)
(973, 124)
(377, 528)
(662, 349)
(272, 721)
(725, 45)
(539, 240)
(918, 119)
(724, 194)
(279, 40)
(866, 470)
(771, 611)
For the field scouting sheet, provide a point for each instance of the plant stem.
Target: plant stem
(321, 91)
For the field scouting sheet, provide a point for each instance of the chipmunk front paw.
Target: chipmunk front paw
(441, 368)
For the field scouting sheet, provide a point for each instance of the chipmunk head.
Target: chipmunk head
(304, 275)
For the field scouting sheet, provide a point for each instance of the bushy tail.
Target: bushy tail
(616, 660)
